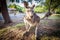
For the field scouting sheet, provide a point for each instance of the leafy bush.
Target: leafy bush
(12, 6)
(40, 9)
(37, 9)
(17, 7)
(58, 10)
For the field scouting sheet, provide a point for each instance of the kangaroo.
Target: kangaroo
(31, 19)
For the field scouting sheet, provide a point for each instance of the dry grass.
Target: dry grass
(10, 28)
(15, 33)
(49, 38)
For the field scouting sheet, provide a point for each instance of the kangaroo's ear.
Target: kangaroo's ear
(25, 4)
(33, 5)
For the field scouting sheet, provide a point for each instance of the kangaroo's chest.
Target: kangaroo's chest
(32, 19)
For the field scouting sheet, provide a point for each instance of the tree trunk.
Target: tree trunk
(5, 11)
(49, 5)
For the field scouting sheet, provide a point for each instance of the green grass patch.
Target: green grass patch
(55, 16)
(19, 25)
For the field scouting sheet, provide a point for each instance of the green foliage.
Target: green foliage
(58, 10)
(47, 3)
(20, 9)
(40, 9)
(53, 4)
(17, 7)
(12, 6)
(37, 9)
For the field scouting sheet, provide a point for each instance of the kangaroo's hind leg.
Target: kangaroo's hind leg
(36, 29)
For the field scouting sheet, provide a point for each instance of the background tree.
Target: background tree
(52, 4)
(5, 11)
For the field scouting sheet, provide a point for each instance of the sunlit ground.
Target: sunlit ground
(15, 32)
(55, 16)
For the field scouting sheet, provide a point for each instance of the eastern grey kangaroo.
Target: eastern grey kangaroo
(30, 19)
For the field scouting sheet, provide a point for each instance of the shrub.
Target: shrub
(17, 7)
(37, 9)
(58, 10)
(40, 9)
(12, 6)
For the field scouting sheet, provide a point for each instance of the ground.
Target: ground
(49, 29)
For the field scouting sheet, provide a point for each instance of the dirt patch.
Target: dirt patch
(46, 27)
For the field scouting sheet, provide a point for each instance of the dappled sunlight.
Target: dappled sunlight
(49, 38)
(18, 31)
(54, 16)
(29, 20)
(12, 32)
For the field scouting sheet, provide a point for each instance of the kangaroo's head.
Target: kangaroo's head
(29, 9)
